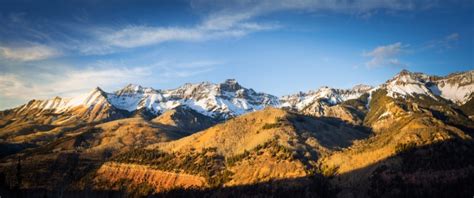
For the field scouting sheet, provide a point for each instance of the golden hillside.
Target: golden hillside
(306, 134)
(398, 127)
(263, 146)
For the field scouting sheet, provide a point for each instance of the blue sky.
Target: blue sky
(64, 48)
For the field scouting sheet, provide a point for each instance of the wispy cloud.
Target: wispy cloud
(213, 28)
(70, 81)
(236, 18)
(66, 84)
(252, 8)
(386, 55)
(31, 52)
(221, 19)
(447, 42)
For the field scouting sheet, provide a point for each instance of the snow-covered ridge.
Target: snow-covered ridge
(457, 88)
(221, 100)
(332, 96)
(229, 99)
(95, 97)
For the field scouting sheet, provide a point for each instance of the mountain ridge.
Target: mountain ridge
(230, 99)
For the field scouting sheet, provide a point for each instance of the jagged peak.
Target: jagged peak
(404, 72)
(406, 76)
(362, 88)
(134, 88)
(231, 81)
(131, 88)
(468, 75)
(97, 89)
(198, 84)
(325, 87)
(230, 85)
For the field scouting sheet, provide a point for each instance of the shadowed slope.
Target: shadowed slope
(184, 119)
(304, 133)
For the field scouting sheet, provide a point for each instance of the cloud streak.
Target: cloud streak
(447, 42)
(32, 52)
(72, 81)
(213, 28)
(232, 19)
(222, 19)
(67, 84)
(386, 55)
(254, 8)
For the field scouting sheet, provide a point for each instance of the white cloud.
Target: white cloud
(32, 52)
(214, 27)
(222, 19)
(444, 43)
(346, 6)
(134, 36)
(71, 82)
(10, 85)
(234, 19)
(452, 37)
(385, 55)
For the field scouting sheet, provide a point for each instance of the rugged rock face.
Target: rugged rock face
(143, 179)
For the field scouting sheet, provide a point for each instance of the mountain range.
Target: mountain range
(410, 136)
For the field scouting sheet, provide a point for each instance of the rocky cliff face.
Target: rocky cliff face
(143, 179)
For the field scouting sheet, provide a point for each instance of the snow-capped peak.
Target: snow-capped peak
(361, 88)
(97, 95)
(406, 76)
(131, 88)
(134, 89)
(332, 96)
(407, 83)
(230, 85)
(229, 98)
(457, 88)
(221, 100)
